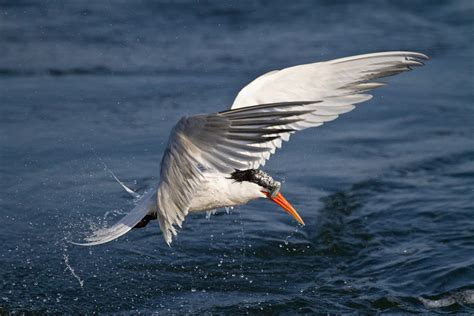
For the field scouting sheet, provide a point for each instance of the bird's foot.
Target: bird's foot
(144, 221)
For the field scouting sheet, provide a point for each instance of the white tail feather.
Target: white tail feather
(146, 205)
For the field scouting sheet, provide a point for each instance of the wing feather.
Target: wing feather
(339, 84)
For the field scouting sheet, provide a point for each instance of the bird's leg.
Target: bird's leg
(145, 220)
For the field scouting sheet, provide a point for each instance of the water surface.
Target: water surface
(386, 191)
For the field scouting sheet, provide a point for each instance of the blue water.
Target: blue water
(386, 191)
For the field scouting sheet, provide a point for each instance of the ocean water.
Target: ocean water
(386, 191)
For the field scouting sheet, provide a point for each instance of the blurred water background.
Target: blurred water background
(386, 191)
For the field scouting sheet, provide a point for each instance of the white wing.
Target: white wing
(339, 83)
(322, 80)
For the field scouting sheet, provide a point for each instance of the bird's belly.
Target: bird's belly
(222, 192)
(199, 204)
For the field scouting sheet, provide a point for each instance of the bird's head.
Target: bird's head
(269, 187)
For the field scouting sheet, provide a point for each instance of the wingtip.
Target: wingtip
(88, 244)
(424, 57)
(417, 55)
(80, 244)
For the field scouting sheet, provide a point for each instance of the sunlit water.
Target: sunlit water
(386, 191)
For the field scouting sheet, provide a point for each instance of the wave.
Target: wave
(463, 297)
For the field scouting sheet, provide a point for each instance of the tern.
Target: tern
(213, 160)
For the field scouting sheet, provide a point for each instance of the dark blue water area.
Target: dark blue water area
(386, 191)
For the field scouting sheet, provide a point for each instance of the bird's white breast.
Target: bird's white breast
(218, 191)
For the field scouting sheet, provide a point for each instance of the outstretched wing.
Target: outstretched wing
(339, 83)
(244, 137)
(318, 81)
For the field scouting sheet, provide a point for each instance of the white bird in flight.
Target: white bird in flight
(213, 160)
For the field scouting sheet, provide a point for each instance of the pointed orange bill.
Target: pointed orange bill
(284, 204)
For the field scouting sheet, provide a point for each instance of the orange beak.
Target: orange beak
(284, 204)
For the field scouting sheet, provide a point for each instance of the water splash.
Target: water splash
(286, 241)
(210, 213)
(71, 269)
(243, 249)
(114, 213)
(106, 168)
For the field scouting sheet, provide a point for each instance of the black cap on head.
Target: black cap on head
(258, 177)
